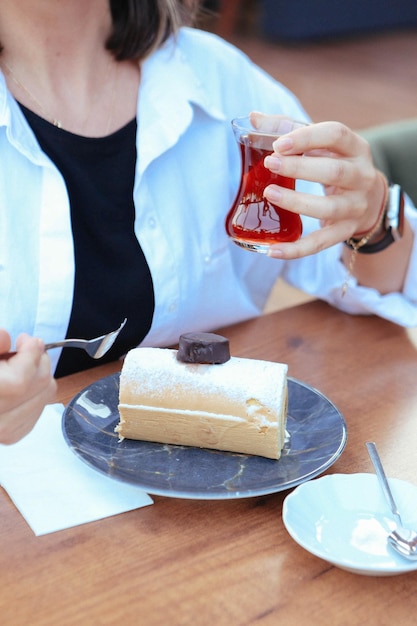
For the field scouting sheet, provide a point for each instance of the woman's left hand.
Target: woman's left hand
(333, 155)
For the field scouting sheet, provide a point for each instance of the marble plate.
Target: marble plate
(317, 437)
(344, 519)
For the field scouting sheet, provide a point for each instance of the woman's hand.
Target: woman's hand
(26, 385)
(333, 155)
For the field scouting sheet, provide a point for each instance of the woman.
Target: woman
(118, 166)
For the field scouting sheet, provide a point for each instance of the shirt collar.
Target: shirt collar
(171, 88)
(19, 132)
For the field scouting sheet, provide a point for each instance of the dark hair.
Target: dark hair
(141, 26)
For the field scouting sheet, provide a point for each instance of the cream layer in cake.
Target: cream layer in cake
(237, 406)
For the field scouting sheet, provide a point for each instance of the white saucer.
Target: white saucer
(344, 519)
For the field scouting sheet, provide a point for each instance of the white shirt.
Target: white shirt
(187, 172)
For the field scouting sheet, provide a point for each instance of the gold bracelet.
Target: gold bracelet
(355, 244)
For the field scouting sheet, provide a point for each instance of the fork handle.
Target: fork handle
(69, 343)
(5, 356)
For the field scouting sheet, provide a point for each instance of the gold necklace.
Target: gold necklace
(55, 121)
(113, 99)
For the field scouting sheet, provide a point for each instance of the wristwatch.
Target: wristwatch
(393, 222)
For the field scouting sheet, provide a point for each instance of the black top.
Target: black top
(112, 277)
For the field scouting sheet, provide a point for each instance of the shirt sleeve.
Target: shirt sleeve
(324, 275)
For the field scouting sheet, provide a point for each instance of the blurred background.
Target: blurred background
(350, 60)
(354, 61)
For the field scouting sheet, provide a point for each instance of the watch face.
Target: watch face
(395, 213)
(401, 216)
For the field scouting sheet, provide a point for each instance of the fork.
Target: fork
(96, 348)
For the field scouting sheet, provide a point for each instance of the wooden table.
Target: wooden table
(183, 562)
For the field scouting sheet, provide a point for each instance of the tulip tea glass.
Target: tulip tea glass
(253, 222)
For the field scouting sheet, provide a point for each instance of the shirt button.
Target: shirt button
(172, 307)
(207, 259)
(152, 222)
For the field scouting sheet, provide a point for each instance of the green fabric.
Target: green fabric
(394, 150)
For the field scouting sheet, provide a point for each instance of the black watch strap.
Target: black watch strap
(393, 221)
(371, 248)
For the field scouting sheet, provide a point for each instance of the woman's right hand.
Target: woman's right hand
(26, 386)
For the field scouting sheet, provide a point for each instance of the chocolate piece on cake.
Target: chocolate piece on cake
(203, 348)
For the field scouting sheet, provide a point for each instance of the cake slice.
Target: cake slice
(237, 406)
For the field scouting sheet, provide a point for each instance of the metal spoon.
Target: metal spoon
(403, 540)
(96, 348)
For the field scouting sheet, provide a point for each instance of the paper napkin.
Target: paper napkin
(52, 488)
